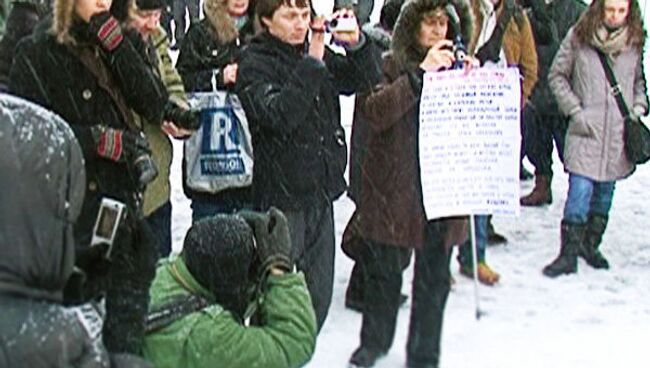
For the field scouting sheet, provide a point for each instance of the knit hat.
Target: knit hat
(150, 4)
(219, 252)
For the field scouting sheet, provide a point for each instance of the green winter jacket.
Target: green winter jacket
(158, 192)
(212, 337)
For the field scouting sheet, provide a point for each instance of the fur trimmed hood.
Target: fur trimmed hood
(405, 47)
(221, 23)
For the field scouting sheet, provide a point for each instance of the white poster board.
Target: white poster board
(469, 142)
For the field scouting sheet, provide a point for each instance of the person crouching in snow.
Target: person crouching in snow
(201, 299)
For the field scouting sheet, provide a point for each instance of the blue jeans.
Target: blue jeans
(465, 251)
(587, 196)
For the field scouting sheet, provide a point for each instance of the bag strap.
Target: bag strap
(173, 311)
(616, 88)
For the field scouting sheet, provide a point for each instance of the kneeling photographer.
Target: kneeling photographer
(232, 267)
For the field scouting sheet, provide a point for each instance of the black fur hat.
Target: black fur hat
(219, 252)
(150, 4)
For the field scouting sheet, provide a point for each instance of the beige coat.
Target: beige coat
(594, 140)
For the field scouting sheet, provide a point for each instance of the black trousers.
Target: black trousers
(382, 264)
(312, 238)
(541, 128)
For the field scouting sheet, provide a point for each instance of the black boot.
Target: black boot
(365, 357)
(566, 262)
(593, 236)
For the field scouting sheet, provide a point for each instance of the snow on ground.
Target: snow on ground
(592, 319)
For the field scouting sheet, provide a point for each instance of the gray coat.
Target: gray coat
(594, 140)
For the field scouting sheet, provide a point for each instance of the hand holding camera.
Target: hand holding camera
(344, 27)
(182, 118)
(440, 55)
(271, 231)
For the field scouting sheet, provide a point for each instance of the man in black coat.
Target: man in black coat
(543, 121)
(84, 68)
(290, 91)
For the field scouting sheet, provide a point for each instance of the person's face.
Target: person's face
(615, 12)
(433, 28)
(289, 23)
(496, 2)
(87, 8)
(237, 7)
(146, 22)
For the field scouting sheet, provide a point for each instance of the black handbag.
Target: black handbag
(636, 136)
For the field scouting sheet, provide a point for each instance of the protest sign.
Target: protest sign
(469, 142)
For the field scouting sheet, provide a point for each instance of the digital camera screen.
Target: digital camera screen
(107, 220)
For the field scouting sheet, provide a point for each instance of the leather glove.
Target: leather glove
(107, 30)
(182, 118)
(118, 144)
(271, 231)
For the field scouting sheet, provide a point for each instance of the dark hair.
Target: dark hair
(591, 20)
(266, 8)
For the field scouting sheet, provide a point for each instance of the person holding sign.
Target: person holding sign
(594, 153)
(390, 211)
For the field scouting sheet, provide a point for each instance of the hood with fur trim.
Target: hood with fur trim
(221, 23)
(405, 47)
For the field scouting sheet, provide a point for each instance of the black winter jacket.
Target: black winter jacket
(563, 14)
(49, 74)
(292, 104)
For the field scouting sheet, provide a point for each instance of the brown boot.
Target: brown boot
(541, 194)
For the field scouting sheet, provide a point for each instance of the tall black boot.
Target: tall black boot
(566, 263)
(593, 237)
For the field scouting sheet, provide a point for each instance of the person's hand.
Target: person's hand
(317, 42)
(271, 230)
(107, 30)
(438, 56)
(172, 130)
(230, 74)
(349, 38)
(118, 144)
(470, 63)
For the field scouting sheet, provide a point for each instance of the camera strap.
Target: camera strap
(173, 311)
(94, 63)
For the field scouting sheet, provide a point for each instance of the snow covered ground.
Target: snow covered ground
(591, 319)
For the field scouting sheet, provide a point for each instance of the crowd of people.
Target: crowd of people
(90, 98)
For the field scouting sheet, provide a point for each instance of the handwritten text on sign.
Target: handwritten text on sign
(470, 141)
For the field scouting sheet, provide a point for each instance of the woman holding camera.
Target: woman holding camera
(82, 66)
(594, 154)
(390, 211)
(211, 48)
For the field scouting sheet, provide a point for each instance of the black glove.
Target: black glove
(271, 231)
(107, 30)
(182, 118)
(119, 144)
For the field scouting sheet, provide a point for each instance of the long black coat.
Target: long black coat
(48, 73)
(292, 103)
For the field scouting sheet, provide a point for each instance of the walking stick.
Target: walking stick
(478, 313)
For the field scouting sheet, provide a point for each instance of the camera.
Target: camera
(143, 166)
(460, 52)
(183, 118)
(341, 24)
(108, 220)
